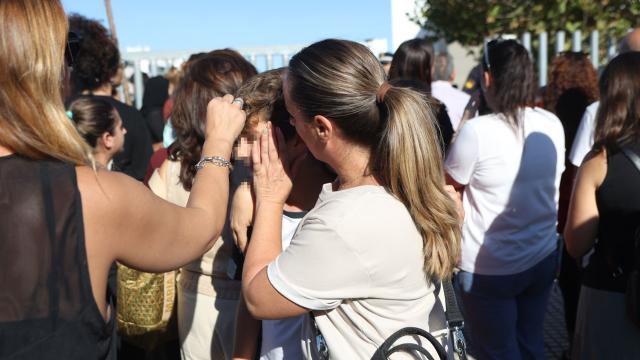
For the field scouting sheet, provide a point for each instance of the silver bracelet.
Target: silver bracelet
(214, 160)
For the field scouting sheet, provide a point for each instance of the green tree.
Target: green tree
(470, 21)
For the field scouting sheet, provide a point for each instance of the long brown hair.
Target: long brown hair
(33, 122)
(217, 73)
(513, 79)
(618, 117)
(339, 79)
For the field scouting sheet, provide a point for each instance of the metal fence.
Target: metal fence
(156, 63)
(542, 57)
(265, 58)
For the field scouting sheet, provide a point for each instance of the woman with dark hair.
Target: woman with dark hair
(100, 126)
(207, 295)
(64, 222)
(365, 260)
(606, 206)
(413, 60)
(411, 67)
(573, 85)
(95, 66)
(508, 166)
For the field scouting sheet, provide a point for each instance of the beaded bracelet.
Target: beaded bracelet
(214, 160)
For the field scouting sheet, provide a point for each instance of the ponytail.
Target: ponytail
(408, 160)
(342, 81)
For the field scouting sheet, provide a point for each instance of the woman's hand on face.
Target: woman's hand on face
(225, 119)
(271, 181)
(241, 215)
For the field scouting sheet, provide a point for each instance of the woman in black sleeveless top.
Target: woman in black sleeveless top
(62, 223)
(606, 206)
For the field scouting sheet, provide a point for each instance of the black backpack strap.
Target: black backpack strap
(455, 320)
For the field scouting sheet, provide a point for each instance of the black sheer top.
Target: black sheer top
(47, 309)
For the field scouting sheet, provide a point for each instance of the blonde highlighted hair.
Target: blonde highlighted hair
(339, 80)
(33, 122)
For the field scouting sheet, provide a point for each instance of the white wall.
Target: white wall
(401, 27)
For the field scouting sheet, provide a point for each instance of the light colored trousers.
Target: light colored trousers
(206, 316)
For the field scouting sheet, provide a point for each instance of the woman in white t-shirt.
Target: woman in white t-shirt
(508, 165)
(365, 258)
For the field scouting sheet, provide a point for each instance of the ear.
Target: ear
(323, 128)
(452, 78)
(487, 79)
(107, 140)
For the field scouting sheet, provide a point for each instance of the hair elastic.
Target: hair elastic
(382, 91)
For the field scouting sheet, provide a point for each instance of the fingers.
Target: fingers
(273, 149)
(255, 153)
(228, 98)
(264, 147)
(282, 151)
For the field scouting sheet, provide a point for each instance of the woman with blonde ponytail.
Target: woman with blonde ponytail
(63, 223)
(366, 259)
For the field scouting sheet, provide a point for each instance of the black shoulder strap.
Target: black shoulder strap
(632, 156)
(455, 320)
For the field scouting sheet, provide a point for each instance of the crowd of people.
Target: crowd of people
(312, 211)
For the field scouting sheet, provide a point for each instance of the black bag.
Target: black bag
(455, 323)
(632, 293)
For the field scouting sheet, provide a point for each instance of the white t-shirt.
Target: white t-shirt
(291, 338)
(455, 100)
(511, 190)
(357, 262)
(583, 141)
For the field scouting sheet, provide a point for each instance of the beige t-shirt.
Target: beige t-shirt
(356, 260)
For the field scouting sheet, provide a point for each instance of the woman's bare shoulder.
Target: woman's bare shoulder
(107, 189)
(594, 167)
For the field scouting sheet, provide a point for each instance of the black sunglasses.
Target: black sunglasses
(73, 46)
(487, 44)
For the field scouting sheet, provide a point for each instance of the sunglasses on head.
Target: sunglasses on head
(492, 43)
(72, 48)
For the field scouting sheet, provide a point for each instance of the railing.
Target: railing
(263, 58)
(561, 45)
(155, 63)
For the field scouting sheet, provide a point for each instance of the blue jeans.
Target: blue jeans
(504, 314)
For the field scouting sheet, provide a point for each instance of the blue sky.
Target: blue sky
(210, 24)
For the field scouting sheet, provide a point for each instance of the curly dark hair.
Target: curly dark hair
(217, 73)
(573, 85)
(98, 56)
(513, 79)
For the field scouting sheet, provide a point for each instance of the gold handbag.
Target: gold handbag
(145, 301)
